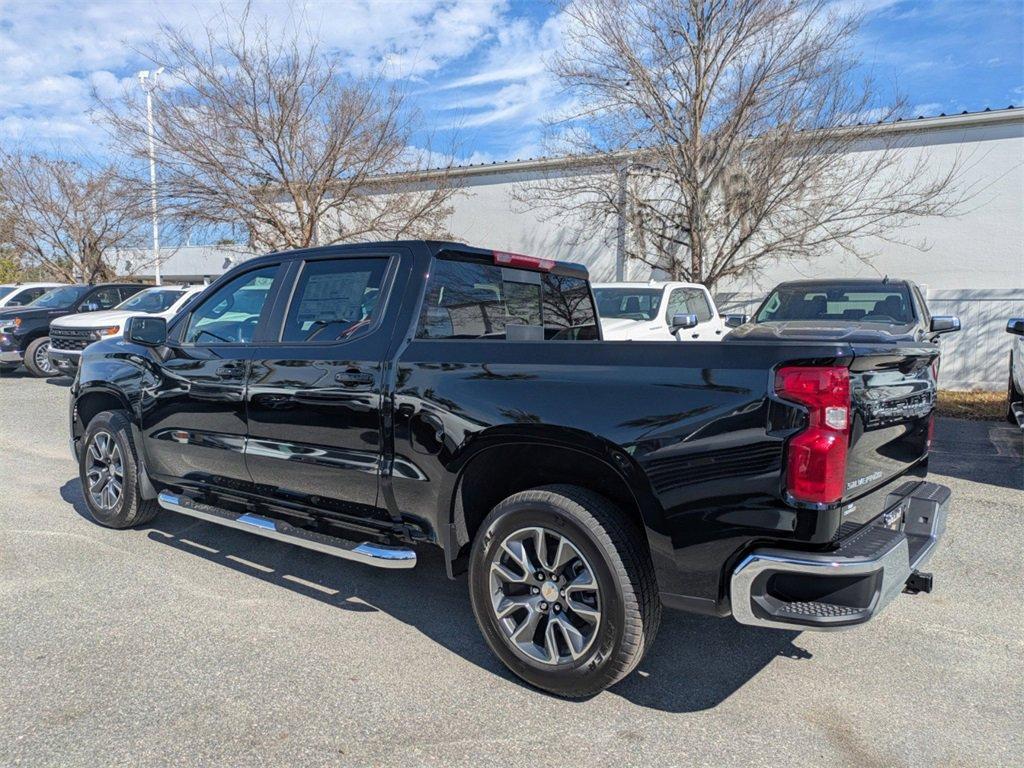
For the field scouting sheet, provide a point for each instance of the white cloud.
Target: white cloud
(56, 51)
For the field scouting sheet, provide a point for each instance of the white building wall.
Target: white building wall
(973, 265)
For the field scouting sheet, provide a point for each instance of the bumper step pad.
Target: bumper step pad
(787, 589)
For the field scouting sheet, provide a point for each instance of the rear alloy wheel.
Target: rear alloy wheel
(37, 360)
(545, 596)
(563, 589)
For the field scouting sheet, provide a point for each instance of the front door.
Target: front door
(691, 300)
(194, 422)
(315, 392)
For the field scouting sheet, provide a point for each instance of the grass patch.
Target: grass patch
(988, 406)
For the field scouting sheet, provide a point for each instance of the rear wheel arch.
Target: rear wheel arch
(499, 471)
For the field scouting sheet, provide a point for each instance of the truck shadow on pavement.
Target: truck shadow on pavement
(695, 664)
(988, 452)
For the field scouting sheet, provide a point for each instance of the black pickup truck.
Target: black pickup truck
(364, 400)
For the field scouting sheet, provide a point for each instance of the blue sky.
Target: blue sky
(474, 64)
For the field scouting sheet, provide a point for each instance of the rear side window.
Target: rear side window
(468, 300)
(689, 301)
(335, 300)
(104, 298)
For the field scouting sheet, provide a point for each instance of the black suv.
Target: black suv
(25, 331)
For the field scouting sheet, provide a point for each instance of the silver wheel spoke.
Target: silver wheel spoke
(506, 574)
(574, 639)
(524, 632)
(584, 611)
(509, 605)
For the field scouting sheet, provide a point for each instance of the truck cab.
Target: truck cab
(649, 312)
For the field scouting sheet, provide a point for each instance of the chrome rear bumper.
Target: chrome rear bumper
(786, 589)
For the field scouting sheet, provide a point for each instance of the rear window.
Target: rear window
(872, 303)
(628, 303)
(469, 300)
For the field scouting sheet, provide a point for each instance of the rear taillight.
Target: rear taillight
(521, 261)
(816, 457)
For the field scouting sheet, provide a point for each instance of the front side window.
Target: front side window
(152, 300)
(231, 314)
(469, 300)
(688, 301)
(61, 298)
(104, 298)
(335, 300)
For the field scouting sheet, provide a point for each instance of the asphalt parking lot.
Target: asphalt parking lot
(182, 643)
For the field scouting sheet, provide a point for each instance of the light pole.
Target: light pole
(148, 81)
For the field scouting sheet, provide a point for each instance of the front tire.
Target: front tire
(563, 589)
(109, 472)
(37, 361)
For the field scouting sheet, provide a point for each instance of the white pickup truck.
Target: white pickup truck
(71, 334)
(649, 312)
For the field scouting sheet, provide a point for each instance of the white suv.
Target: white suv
(70, 334)
(648, 312)
(20, 294)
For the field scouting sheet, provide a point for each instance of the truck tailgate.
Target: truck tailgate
(892, 392)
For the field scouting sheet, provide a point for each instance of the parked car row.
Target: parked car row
(48, 332)
(365, 400)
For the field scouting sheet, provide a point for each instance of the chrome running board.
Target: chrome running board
(370, 553)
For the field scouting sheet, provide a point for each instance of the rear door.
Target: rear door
(315, 389)
(194, 422)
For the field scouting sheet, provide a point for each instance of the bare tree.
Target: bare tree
(719, 135)
(261, 128)
(68, 217)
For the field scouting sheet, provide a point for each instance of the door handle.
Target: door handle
(353, 378)
(231, 371)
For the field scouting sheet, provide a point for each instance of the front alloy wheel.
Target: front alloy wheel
(104, 471)
(109, 469)
(545, 596)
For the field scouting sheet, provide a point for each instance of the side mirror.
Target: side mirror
(148, 331)
(945, 324)
(1016, 325)
(15, 303)
(681, 322)
(735, 321)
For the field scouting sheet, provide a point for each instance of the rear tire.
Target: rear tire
(109, 472)
(37, 362)
(593, 653)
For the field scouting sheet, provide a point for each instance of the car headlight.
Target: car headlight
(16, 323)
(102, 333)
